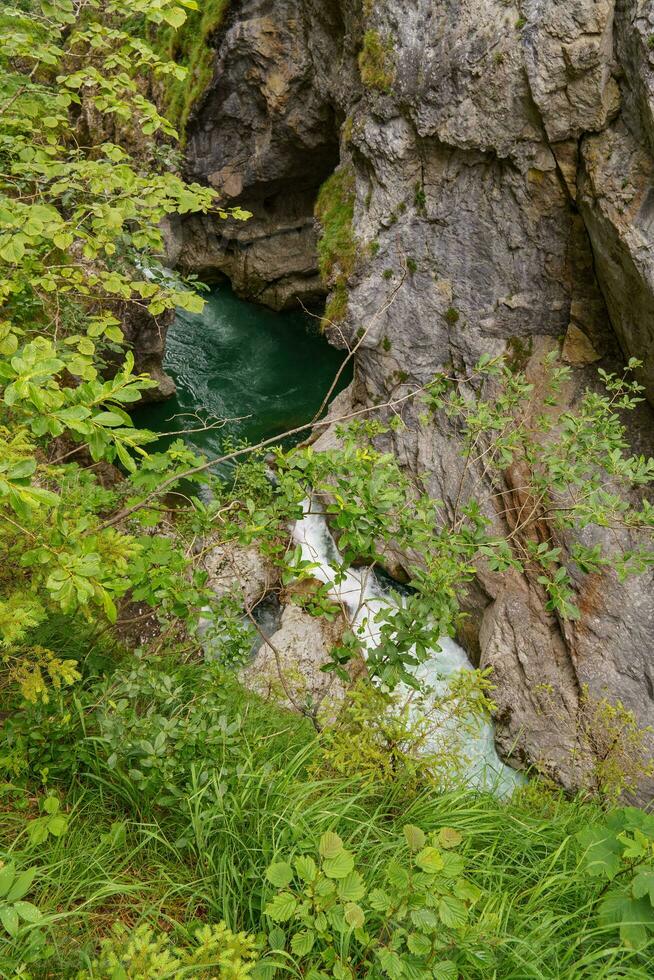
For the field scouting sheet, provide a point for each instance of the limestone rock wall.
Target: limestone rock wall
(504, 202)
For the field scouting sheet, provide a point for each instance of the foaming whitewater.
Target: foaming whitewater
(359, 593)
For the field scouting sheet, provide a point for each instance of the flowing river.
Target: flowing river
(266, 373)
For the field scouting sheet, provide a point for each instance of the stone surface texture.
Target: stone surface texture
(504, 185)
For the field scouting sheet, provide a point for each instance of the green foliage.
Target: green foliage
(22, 939)
(376, 62)
(127, 859)
(621, 851)
(211, 952)
(192, 48)
(336, 245)
(79, 228)
(415, 921)
(383, 738)
(53, 823)
(452, 316)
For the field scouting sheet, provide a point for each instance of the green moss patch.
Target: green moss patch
(376, 62)
(191, 47)
(337, 244)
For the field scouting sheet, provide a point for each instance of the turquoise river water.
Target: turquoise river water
(241, 361)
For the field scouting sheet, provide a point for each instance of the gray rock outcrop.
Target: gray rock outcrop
(503, 156)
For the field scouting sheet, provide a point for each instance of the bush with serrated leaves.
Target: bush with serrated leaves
(621, 851)
(328, 922)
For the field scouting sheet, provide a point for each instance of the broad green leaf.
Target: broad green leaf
(602, 851)
(58, 825)
(280, 874)
(339, 866)
(351, 888)
(330, 845)
(282, 907)
(9, 919)
(21, 885)
(379, 900)
(453, 913)
(354, 915)
(306, 868)
(415, 837)
(446, 970)
(448, 837)
(28, 912)
(302, 942)
(277, 938)
(418, 944)
(467, 891)
(424, 919)
(644, 885)
(390, 963)
(7, 875)
(430, 860)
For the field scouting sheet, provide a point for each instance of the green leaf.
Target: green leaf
(390, 963)
(644, 885)
(418, 944)
(21, 885)
(633, 917)
(9, 919)
(354, 915)
(280, 874)
(175, 17)
(351, 888)
(430, 860)
(306, 868)
(277, 938)
(415, 837)
(7, 875)
(467, 891)
(111, 419)
(445, 970)
(379, 900)
(448, 837)
(330, 845)
(51, 805)
(58, 825)
(302, 942)
(602, 851)
(37, 830)
(28, 912)
(452, 912)
(424, 919)
(282, 907)
(339, 866)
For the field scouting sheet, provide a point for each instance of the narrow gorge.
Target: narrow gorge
(486, 189)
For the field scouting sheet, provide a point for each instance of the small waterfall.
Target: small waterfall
(360, 594)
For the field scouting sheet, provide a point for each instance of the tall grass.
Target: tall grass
(172, 865)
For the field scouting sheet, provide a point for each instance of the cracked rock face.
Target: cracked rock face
(504, 203)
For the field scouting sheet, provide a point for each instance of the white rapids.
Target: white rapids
(361, 596)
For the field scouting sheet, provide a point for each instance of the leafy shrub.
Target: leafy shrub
(418, 924)
(383, 738)
(621, 851)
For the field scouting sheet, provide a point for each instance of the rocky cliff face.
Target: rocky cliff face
(502, 156)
